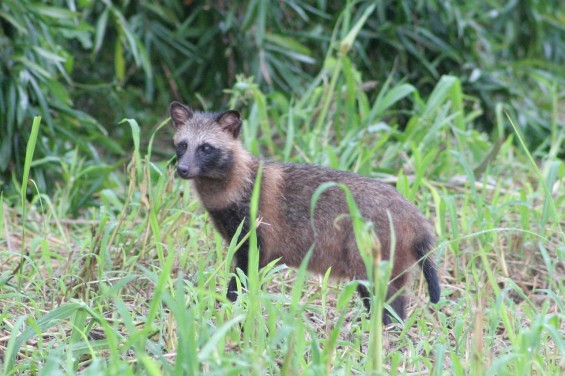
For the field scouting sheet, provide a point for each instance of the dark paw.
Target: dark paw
(232, 290)
(365, 296)
(232, 295)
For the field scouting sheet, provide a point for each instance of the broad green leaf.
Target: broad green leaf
(55, 12)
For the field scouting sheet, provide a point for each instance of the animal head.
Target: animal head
(205, 142)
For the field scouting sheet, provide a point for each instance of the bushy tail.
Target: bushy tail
(421, 249)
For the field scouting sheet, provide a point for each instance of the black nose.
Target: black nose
(183, 171)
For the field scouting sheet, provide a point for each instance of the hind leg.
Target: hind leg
(365, 296)
(396, 301)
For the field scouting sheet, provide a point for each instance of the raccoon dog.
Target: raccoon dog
(210, 153)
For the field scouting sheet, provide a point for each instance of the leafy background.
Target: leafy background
(86, 65)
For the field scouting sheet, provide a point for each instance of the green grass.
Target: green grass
(137, 284)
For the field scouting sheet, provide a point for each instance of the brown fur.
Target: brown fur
(272, 224)
(285, 229)
(333, 235)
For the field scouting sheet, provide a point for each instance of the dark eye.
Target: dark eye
(206, 148)
(181, 148)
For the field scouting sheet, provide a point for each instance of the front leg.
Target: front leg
(227, 221)
(232, 289)
(242, 262)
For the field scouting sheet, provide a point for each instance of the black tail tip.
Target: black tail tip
(432, 279)
(435, 291)
(421, 249)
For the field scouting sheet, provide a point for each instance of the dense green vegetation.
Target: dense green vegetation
(109, 265)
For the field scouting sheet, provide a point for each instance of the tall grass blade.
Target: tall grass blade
(27, 166)
(548, 196)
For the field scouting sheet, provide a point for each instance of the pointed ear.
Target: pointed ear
(180, 113)
(230, 121)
